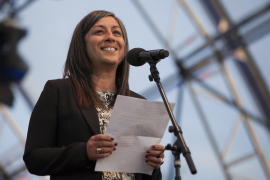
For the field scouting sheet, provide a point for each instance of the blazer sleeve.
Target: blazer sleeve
(42, 156)
(156, 175)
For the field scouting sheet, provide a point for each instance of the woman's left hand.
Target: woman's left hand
(150, 157)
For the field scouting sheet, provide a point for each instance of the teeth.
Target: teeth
(109, 49)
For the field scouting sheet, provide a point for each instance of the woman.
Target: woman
(67, 126)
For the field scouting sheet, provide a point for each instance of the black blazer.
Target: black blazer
(58, 131)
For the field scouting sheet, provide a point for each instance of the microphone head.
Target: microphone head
(163, 53)
(133, 57)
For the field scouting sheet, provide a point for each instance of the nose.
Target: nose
(109, 36)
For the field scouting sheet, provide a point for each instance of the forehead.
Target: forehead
(107, 22)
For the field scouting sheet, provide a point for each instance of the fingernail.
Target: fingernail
(114, 148)
(153, 146)
(148, 151)
(146, 156)
(112, 138)
(115, 144)
(146, 161)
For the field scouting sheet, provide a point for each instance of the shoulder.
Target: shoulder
(52, 91)
(136, 95)
(58, 84)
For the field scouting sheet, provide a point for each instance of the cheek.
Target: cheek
(93, 42)
(122, 44)
(91, 52)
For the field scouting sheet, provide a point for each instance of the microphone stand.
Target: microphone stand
(177, 130)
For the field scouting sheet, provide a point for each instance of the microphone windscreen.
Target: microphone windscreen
(163, 54)
(133, 57)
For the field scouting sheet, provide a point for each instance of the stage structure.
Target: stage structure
(12, 71)
(204, 62)
(209, 60)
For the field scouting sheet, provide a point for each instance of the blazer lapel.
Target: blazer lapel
(90, 114)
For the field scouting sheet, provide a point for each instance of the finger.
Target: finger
(157, 147)
(154, 159)
(105, 144)
(107, 150)
(102, 137)
(103, 155)
(154, 165)
(154, 153)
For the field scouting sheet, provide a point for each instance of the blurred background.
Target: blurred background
(217, 73)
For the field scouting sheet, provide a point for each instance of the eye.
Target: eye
(117, 32)
(99, 31)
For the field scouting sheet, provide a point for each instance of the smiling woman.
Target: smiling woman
(67, 126)
(86, 58)
(105, 44)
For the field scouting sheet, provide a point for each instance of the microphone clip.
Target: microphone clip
(154, 72)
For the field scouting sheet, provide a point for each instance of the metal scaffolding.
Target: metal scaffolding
(236, 43)
(11, 163)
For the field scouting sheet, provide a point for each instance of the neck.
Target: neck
(104, 81)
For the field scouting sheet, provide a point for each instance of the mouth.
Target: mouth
(109, 49)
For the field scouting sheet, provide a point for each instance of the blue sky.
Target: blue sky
(50, 25)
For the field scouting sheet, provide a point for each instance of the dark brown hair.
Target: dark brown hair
(79, 68)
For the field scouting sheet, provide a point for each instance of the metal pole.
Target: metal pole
(208, 130)
(7, 116)
(251, 73)
(247, 122)
(178, 132)
(179, 101)
(196, 20)
(227, 101)
(154, 28)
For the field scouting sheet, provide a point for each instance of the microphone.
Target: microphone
(139, 56)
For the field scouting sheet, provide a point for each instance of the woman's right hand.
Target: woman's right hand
(102, 141)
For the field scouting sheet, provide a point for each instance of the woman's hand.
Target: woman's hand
(151, 156)
(102, 141)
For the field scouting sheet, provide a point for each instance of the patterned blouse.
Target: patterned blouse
(104, 117)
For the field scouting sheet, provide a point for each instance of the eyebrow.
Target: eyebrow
(104, 26)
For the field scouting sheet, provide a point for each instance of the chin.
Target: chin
(112, 61)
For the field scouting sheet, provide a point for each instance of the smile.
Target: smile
(108, 49)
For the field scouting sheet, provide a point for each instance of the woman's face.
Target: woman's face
(104, 43)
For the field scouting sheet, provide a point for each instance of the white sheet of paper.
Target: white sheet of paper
(136, 125)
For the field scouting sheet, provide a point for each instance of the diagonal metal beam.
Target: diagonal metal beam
(168, 83)
(211, 42)
(208, 131)
(2, 2)
(247, 122)
(233, 28)
(227, 101)
(249, 69)
(4, 173)
(154, 28)
(179, 101)
(23, 6)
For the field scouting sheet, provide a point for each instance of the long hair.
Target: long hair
(79, 67)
